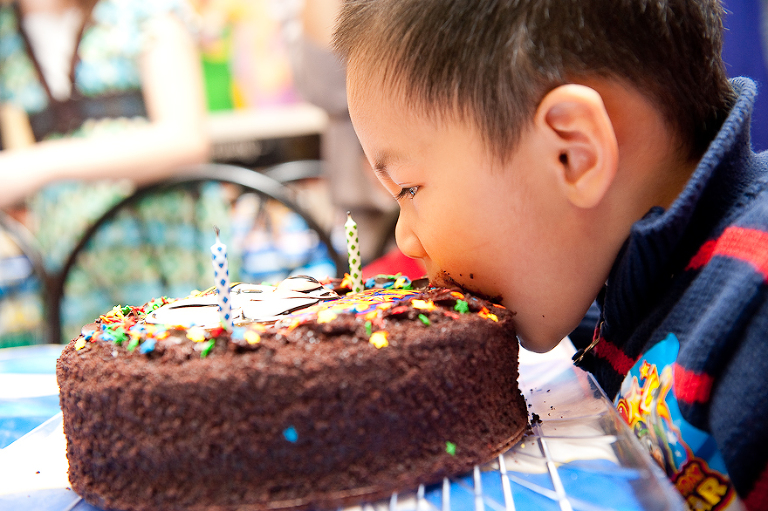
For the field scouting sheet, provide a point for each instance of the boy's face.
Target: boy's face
(493, 229)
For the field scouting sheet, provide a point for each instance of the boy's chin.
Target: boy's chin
(531, 346)
(537, 344)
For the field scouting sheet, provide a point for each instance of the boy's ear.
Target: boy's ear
(581, 144)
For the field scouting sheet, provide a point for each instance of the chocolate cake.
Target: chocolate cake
(318, 402)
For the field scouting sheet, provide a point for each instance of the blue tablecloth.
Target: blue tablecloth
(28, 392)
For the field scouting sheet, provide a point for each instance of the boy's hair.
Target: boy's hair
(492, 61)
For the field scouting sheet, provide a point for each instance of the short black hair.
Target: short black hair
(492, 61)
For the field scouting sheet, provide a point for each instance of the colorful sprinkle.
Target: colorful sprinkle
(326, 316)
(461, 307)
(294, 324)
(485, 313)
(133, 344)
(113, 316)
(291, 434)
(238, 333)
(368, 328)
(403, 283)
(388, 282)
(400, 309)
(207, 347)
(147, 346)
(427, 305)
(424, 319)
(156, 304)
(196, 334)
(450, 448)
(80, 344)
(137, 330)
(379, 339)
(347, 282)
(368, 302)
(120, 335)
(252, 337)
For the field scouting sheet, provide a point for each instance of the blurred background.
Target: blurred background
(113, 185)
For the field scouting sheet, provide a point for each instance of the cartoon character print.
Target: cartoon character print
(688, 455)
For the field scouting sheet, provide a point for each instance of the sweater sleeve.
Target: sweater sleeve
(738, 414)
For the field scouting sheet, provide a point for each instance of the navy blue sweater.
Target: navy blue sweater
(698, 272)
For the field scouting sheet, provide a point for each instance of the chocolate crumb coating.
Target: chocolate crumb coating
(311, 415)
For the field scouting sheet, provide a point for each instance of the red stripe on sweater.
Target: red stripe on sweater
(750, 245)
(690, 386)
(703, 256)
(757, 499)
(620, 362)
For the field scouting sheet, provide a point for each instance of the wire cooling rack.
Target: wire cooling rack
(579, 456)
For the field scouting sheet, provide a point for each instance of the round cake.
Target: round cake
(313, 400)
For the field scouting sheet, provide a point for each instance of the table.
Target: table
(260, 137)
(264, 123)
(29, 394)
(581, 456)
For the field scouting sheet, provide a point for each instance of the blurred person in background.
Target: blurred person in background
(96, 97)
(321, 79)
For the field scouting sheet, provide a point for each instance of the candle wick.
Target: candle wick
(216, 230)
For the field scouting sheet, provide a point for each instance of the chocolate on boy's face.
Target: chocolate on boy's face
(494, 229)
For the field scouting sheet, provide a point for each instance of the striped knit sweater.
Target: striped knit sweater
(699, 271)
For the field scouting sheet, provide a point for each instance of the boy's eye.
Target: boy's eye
(407, 192)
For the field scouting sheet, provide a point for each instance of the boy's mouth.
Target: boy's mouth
(444, 279)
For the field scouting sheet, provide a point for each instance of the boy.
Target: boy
(549, 152)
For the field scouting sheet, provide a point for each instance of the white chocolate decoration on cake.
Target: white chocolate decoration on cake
(251, 303)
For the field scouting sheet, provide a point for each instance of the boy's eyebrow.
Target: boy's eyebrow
(380, 170)
(381, 163)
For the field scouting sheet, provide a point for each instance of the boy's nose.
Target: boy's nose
(407, 240)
